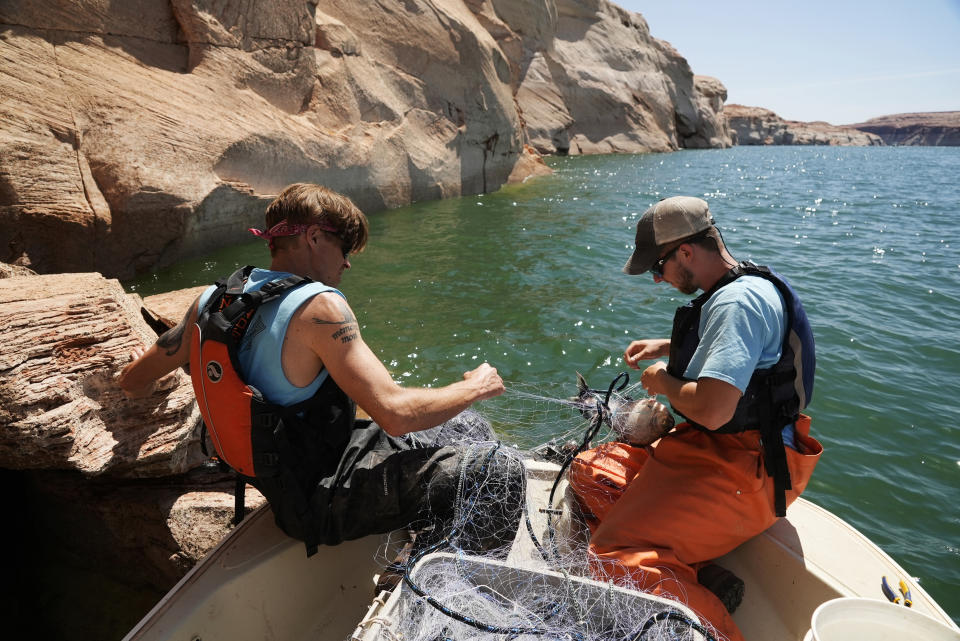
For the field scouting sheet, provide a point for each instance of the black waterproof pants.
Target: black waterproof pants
(472, 493)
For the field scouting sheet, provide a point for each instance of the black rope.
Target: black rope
(603, 414)
(672, 615)
(589, 436)
(533, 536)
(610, 390)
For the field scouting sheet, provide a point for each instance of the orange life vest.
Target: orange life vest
(232, 410)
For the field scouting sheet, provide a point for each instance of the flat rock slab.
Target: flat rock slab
(171, 306)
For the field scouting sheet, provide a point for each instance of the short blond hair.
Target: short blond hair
(306, 203)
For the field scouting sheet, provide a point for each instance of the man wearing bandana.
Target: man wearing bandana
(340, 477)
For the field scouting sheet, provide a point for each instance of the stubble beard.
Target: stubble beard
(687, 283)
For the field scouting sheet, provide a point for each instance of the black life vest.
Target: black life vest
(283, 451)
(775, 395)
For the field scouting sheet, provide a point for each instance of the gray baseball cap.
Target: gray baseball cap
(669, 220)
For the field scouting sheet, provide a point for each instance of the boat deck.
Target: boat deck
(258, 584)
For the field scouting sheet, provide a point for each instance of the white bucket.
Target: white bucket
(856, 619)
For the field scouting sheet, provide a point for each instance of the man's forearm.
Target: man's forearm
(681, 394)
(137, 378)
(172, 350)
(418, 409)
(411, 409)
(707, 401)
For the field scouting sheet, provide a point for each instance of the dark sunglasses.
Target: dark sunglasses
(345, 246)
(657, 269)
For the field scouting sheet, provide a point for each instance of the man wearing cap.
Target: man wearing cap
(329, 476)
(739, 370)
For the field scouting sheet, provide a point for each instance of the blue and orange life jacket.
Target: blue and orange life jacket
(775, 395)
(283, 451)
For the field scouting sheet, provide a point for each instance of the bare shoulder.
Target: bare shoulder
(328, 316)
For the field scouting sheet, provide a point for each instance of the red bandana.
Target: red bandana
(285, 229)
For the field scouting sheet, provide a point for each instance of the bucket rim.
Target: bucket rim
(875, 606)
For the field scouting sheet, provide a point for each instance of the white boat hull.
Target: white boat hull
(258, 584)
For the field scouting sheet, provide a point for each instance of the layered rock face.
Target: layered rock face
(758, 126)
(590, 79)
(135, 134)
(145, 132)
(937, 129)
(63, 338)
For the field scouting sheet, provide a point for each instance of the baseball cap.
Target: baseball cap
(667, 221)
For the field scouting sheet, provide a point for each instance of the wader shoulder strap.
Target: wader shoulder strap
(775, 462)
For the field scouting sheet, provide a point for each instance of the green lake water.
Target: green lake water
(528, 278)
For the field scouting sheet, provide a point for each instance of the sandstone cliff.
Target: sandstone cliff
(144, 132)
(135, 134)
(938, 129)
(590, 79)
(758, 126)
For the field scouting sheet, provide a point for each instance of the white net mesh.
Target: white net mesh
(452, 597)
(555, 413)
(538, 585)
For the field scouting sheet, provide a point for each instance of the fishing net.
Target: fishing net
(553, 414)
(512, 563)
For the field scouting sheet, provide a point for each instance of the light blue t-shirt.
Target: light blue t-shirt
(741, 330)
(262, 345)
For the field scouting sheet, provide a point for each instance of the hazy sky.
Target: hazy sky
(842, 61)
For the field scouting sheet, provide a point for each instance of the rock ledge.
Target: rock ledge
(759, 126)
(937, 129)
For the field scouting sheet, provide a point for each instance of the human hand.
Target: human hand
(645, 350)
(652, 377)
(487, 381)
(135, 382)
(125, 381)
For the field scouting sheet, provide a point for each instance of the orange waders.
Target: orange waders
(658, 514)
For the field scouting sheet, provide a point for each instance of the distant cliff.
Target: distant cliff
(938, 129)
(759, 126)
(135, 134)
(591, 79)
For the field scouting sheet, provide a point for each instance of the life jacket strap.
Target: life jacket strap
(248, 302)
(239, 499)
(291, 486)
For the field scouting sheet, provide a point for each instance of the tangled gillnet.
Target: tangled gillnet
(496, 572)
(488, 599)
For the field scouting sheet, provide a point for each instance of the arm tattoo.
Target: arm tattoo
(347, 327)
(171, 340)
